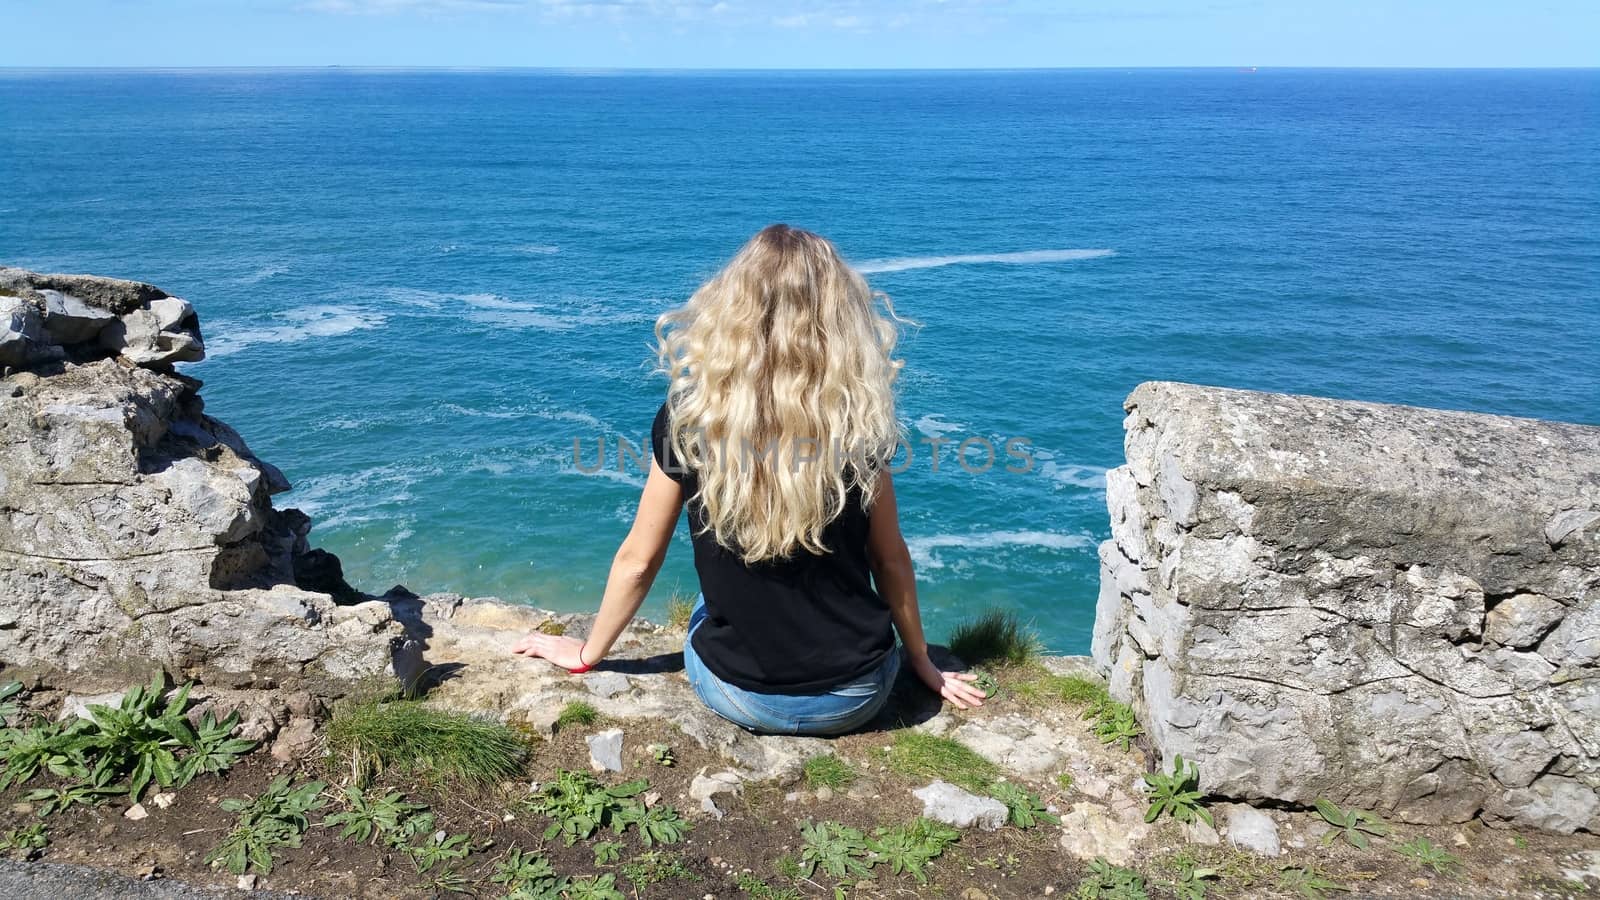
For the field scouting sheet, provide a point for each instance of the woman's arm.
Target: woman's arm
(897, 584)
(633, 570)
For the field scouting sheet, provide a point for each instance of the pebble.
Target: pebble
(247, 882)
(824, 794)
(164, 800)
(136, 812)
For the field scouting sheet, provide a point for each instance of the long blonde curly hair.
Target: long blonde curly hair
(782, 392)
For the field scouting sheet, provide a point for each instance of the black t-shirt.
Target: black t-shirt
(802, 624)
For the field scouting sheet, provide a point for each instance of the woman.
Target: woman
(777, 431)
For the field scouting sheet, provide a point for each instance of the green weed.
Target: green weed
(996, 637)
(405, 734)
(1309, 882)
(1353, 824)
(918, 755)
(1025, 809)
(1430, 856)
(1108, 882)
(365, 819)
(828, 770)
(1177, 794)
(277, 818)
(909, 848)
(576, 713)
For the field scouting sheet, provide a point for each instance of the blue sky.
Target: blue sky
(801, 33)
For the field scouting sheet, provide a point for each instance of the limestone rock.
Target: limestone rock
(704, 786)
(139, 533)
(1089, 831)
(1251, 829)
(605, 750)
(606, 684)
(944, 802)
(295, 740)
(1394, 608)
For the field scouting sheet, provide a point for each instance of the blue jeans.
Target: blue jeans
(846, 707)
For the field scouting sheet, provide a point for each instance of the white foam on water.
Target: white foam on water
(353, 496)
(1069, 475)
(538, 249)
(933, 425)
(1021, 258)
(264, 273)
(922, 548)
(609, 473)
(301, 324)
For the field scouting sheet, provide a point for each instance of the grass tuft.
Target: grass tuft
(995, 638)
(376, 735)
(918, 755)
(827, 770)
(577, 713)
(679, 608)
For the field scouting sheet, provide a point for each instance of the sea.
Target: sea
(419, 288)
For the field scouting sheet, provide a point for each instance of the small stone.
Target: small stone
(136, 812)
(824, 794)
(1088, 831)
(706, 786)
(862, 789)
(1253, 830)
(1049, 889)
(247, 882)
(605, 750)
(791, 797)
(1198, 832)
(296, 740)
(944, 802)
(1460, 839)
(651, 798)
(22, 808)
(163, 800)
(709, 807)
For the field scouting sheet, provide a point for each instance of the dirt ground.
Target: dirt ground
(759, 827)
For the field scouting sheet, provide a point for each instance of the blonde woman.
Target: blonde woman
(777, 431)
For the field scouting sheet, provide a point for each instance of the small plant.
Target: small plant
(1064, 781)
(680, 607)
(987, 683)
(451, 881)
(438, 848)
(918, 755)
(46, 747)
(365, 819)
(659, 824)
(1430, 856)
(526, 872)
(787, 868)
(662, 755)
(277, 818)
(1353, 825)
(578, 805)
(760, 890)
(26, 842)
(138, 738)
(607, 852)
(1178, 794)
(53, 800)
(1108, 882)
(576, 713)
(9, 707)
(595, 887)
(552, 628)
(212, 748)
(838, 850)
(1114, 722)
(408, 830)
(1025, 809)
(1074, 690)
(655, 867)
(1192, 881)
(996, 637)
(1311, 883)
(829, 771)
(377, 735)
(909, 848)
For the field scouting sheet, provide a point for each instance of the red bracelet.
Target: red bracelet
(582, 666)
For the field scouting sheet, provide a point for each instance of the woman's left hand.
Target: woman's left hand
(563, 651)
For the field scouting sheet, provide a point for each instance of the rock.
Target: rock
(1198, 832)
(1299, 593)
(296, 740)
(605, 750)
(709, 807)
(135, 812)
(163, 800)
(1521, 620)
(944, 802)
(247, 882)
(140, 533)
(1251, 829)
(1552, 803)
(862, 789)
(824, 794)
(77, 706)
(1088, 831)
(704, 786)
(606, 684)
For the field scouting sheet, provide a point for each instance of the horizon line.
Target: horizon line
(807, 69)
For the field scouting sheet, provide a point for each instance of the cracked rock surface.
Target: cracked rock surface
(1394, 608)
(137, 532)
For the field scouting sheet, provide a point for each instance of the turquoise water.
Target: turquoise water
(419, 287)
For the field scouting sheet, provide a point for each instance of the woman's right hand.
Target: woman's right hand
(956, 687)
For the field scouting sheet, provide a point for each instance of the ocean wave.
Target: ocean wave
(264, 273)
(537, 249)
(922, 548)
(1068, 475)
(1024, 257)
(352, 497)
(934, 425)
(303, 323)
(609, 473)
